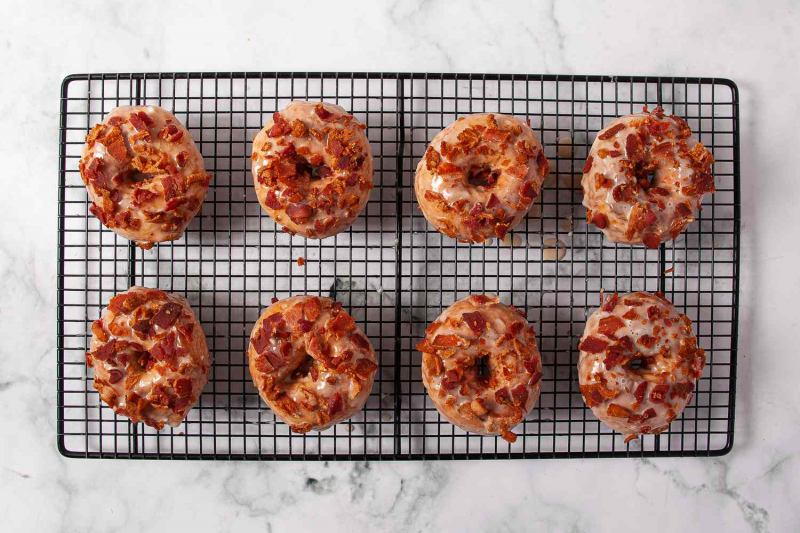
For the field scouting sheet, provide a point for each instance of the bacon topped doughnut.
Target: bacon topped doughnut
(645, 178)
(639, 363)
(312, 168)
(144, 174)
(150, 357)
(481, 366)
(310, 362)
(479, 176)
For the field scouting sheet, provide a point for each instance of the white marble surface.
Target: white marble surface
(754, 488)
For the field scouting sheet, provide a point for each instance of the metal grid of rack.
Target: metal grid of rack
(391, 270)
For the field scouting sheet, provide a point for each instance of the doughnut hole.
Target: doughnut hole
(303, 369)
(482, 176)
(313, 172)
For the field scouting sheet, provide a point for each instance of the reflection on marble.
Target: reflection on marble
(754, 488)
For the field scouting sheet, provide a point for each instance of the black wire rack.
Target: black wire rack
(391, 270)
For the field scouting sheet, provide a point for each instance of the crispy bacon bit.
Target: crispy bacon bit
(651, 240)
(116, 147)
(683, 209)
(609, 325)
(171, 133)
(114, 376)
(260, 341)
(335, 404)
(322, 113)
(137, 122)
(493, 202)
(681, 390)
(299, 129)
(105, 352)
(659, 393)
(446, 341)
(617, 411)
(335, 147)
(305, 325)
(502, 396)
(653, 312)
(183, 387)
(599, 220)
(519, 395)
(640, 391)
(593, 345)
(360, 341)
(631, 314)
(588, 166)
(299, 213)
(649, 413)
(341, 324)
(167, 315)
(647, 341)
(476, 322)
(312, 308)
(610, 303)
(597, 393)
(182, 158)
(611, 132)
(365, 368)
(528, 191)
(535, 378)
(633, 147)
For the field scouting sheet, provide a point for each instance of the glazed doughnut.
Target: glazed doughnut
(645, 178)
(144, 174)
(312, 168)
(481, 366)
(310, 362)
(638, 364)
(150, 357)
(479, 176)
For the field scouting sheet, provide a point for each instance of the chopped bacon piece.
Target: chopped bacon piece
(535, 378)
(599, 220)
(171, 133)
(167, 315)
(260, 342)
(312, 308)
(588, 166)
(614, 357)
(593, 345)
(617, 411)
(335, 404)
(647, 341)
(653, 312)
(476, 322)
(183, 387)
(611, 132)
(640, 391)
(528, 190)
(299, 213)
(597, 393)
(519, 395)
(649, 413)
(631, 314)
(502, 396)
(493, 202)
(365, 368)
(105, 352)
(272, 324)
(341, 324)
(114, 376)
(610, 303)
(633, 147)
(609, 325)
(659, 393)
(305, 325)
(446, 341)
(322, 113)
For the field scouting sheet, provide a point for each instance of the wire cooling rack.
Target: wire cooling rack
(391, 270)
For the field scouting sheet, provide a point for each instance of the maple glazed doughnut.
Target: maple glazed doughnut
(312, 168)
(146, 178)
(481, 366)
(645, 178)
(310, 362)
(479, 176)
(149, 356)
(638, 364)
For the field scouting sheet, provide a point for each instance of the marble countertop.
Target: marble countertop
(755, 487)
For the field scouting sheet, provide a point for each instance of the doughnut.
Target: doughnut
(645, 178)
(479, 177)
(310, 362)
(149, 356)
(481, 366)
(312, 169)
(144, 174)
(638, 364)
